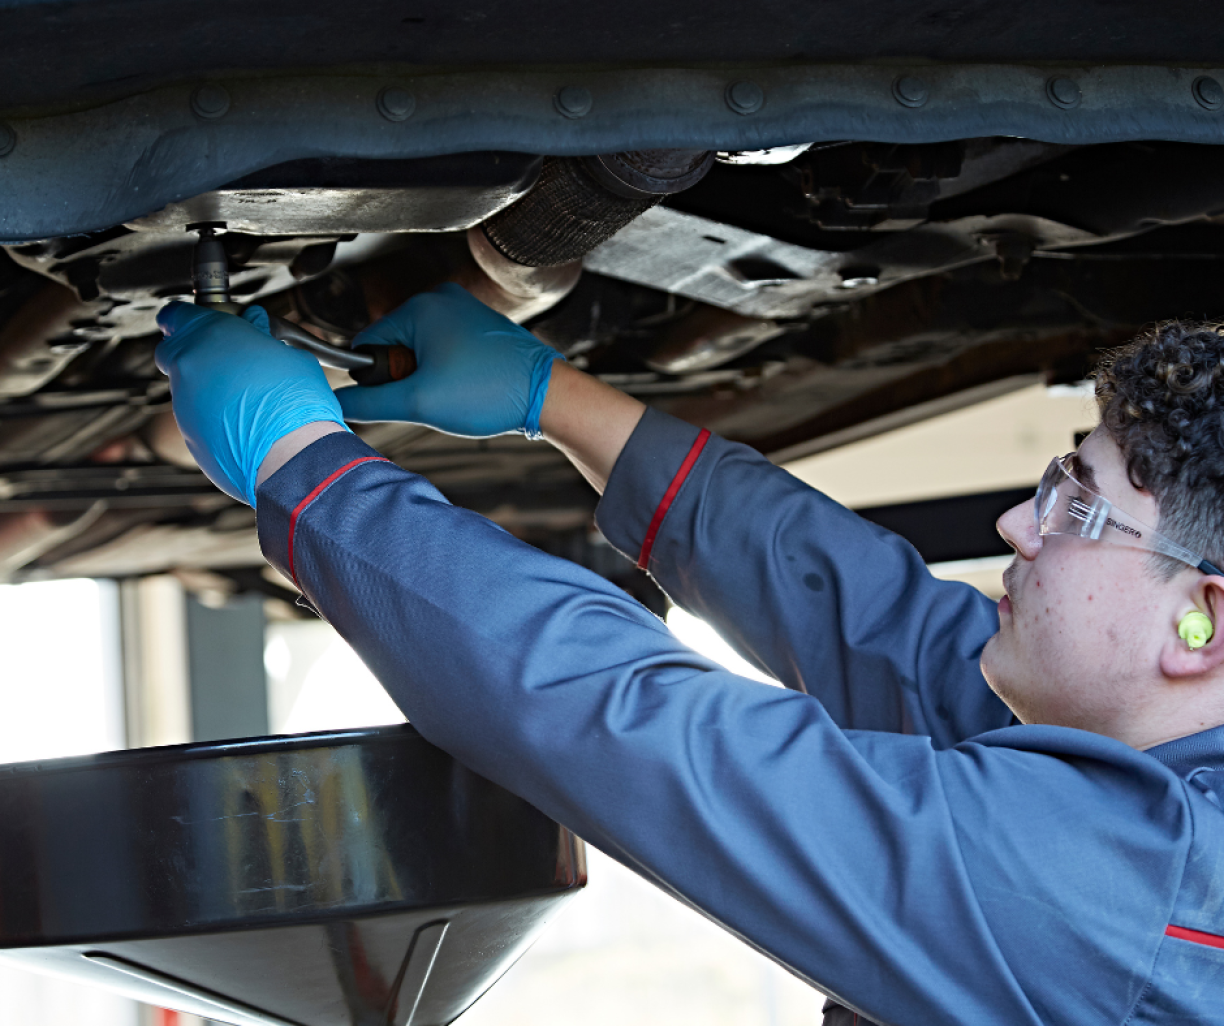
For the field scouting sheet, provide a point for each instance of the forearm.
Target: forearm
(590, 422)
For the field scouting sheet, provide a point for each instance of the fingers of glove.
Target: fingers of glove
(257, 317)
(176, 316)
(209, 342)
(189, 328)
(459, 303)
(390, 331)
(176, 321)
(398, 328)
(394, 401)
(433, 316)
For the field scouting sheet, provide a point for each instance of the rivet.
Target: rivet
(210, 101)
(910, 91)
(395, 103)
(573, 102)
(8, 139)
(744, 97)
(1063, 92)
(1208, 92)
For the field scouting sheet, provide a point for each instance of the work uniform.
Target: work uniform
(883, 828)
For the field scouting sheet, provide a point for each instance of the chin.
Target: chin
(1002, 683)
(989, 659)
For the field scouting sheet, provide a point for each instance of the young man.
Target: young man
(957, 813)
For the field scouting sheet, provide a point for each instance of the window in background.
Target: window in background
(61, 694)
(61, 691)
(317, 682)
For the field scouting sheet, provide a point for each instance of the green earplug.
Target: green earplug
(1196, 629)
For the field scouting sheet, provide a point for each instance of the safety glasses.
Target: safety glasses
(1064, 506)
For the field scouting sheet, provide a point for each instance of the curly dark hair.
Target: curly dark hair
(1162, 401)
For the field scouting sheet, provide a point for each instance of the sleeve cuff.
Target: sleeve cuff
(286, 494)
(647, 477)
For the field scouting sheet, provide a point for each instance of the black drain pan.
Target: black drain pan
(359, 878)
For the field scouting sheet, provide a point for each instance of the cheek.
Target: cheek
(1062, 612)
(1047, 600)
(1083, 609)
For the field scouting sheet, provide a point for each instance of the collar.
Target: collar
(1198, 759)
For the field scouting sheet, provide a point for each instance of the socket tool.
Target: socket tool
(367, 364)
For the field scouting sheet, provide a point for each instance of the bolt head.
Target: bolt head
(210, 101)
(573, 102)
(910, 91)
(8, 140)
(859, 277)
(395, 103)
(68, 347)
(1063, 93)
(1208, 93)
(745, 97)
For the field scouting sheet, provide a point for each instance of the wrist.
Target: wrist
(541, 384)
(589, 421)
(288, 446)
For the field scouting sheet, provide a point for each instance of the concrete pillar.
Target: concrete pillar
(156, 681)
(225, 658)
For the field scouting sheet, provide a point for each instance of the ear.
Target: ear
(1177, 660)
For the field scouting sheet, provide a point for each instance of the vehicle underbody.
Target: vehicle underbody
(865, 237)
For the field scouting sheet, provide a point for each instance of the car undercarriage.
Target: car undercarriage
(793, 237)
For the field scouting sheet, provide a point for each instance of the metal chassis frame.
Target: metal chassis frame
(87, 170)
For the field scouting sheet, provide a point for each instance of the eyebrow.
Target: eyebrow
(1083, 471)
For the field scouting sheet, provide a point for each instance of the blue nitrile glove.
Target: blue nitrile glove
(237, 390)
(478, 373)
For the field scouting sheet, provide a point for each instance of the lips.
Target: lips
(1009, 584)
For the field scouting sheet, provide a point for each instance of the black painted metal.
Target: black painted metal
(64, 49)
(290, 880)
(952, 528)
(88, 169)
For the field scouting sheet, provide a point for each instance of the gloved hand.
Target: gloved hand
(478, 374)
(237, 390)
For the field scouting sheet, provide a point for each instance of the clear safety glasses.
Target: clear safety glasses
(1064, 506)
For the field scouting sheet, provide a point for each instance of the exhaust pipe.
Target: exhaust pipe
(531, 252)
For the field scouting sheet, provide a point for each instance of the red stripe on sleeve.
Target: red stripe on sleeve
(669, 497)
(1212, 940)
(318, 490)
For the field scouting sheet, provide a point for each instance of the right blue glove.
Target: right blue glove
(478, 373)
(237, 390)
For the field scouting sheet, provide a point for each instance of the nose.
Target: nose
(1019, 530)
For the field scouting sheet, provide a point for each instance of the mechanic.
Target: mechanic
(957, 813)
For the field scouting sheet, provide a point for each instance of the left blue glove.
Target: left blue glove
(237, 390)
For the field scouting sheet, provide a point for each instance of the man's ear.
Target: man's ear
(1178, 661)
